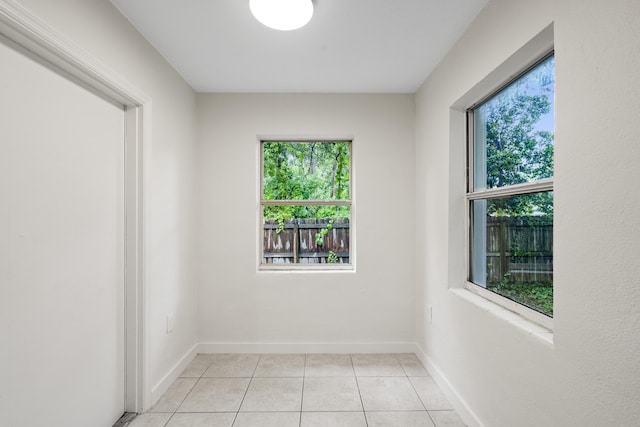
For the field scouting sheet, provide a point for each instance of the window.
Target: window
(305, 204)
(510, 191)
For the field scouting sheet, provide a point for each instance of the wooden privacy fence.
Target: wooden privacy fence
(296, 242)
(519, 249)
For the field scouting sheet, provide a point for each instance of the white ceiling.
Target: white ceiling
(350, 46)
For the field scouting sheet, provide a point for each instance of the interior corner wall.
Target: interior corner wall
(590, 375)
(242, 309)
(170, 179)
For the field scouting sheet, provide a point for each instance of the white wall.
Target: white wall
(372, 305)
(97, 27)
(589, 375)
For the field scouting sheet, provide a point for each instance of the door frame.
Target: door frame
(22, 27)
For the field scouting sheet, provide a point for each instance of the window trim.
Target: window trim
(493, 193)
(333, 202)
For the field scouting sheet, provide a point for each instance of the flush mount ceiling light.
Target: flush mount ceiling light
(282, 15)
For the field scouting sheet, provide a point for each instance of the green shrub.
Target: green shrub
(538, 296)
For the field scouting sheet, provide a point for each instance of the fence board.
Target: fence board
(521, 250)
(296, 241)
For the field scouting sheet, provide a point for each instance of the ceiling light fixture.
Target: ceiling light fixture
(282, 15)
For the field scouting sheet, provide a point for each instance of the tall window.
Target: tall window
(306, 204)
(510, 190)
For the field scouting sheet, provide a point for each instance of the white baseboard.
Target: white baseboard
(461, 407)
(174, 373)
(307, 348)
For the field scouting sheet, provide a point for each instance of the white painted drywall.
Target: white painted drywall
(170, 179)
(590, 375)
(239, 305)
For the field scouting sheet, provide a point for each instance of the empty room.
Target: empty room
(297, 213)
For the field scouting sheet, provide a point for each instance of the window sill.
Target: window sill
(306, 268)
(528, 326)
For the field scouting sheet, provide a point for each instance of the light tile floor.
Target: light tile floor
(297, 390)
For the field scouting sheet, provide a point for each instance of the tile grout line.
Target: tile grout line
(190, 390)
(423, 404)
(247, 390)
(431, 418)
(401, 365)
(364, 414)
(304, 376)
(417, 394)
(414, 389)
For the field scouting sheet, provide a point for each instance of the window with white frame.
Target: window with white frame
(510, 190)
(305, 204)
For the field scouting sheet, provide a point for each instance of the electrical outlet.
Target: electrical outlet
(170, 322)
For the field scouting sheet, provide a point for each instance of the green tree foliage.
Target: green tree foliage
(519, 140)
(316, 170)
